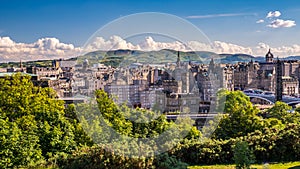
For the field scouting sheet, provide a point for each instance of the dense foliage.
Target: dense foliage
(33, 124)
(36, 129)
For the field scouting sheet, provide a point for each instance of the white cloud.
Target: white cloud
(223, 47)
(6, 42)
(281, 51)
(45, 48)
(284, 51)
(51, 48)
(274, 14)
(279, 23)
(260, 21)
(149, 44)
(114, 42)
(262, 45)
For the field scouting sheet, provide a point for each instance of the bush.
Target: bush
(164, 161)
(207, 152)
(243, 156)
(100, 157)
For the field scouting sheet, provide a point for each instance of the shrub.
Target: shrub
(243, 156)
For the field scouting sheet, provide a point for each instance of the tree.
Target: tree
(137, 123)
(282, 112)
(80, 135)
(111, 112)
(240, 116)
(18, 148)
(243, 156)
(36, 117)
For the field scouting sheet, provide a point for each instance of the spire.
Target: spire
(21, 65)
(178, 59)
(211, 64)
(190, 62)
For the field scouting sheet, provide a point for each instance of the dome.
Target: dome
(269, 56)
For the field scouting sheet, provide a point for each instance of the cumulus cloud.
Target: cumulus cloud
(281, 51)
(260, 21)
(114, 42)
(279, 23)
(223, 47)
(273, 14)
(284, 51)
(149, 44)
(52, 48)
(44, 48)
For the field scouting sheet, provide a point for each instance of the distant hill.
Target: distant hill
(292, 58)
(234, 58)
(125, 57)
(116, 57)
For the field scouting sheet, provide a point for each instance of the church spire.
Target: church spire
(178, 59)
(21, 65)
(211, 65)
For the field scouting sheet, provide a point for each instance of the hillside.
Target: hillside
(115, 57)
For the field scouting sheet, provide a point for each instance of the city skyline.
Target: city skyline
(60, 28)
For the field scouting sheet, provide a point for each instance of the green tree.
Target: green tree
(18, 148)
(136, 123)
(243, 156)
(112, 114)
(80, 135)
(37, 115)
(240, 116)
(282, 112)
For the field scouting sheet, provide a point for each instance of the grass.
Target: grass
(290, 165)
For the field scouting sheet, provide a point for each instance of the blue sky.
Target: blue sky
(74, 21)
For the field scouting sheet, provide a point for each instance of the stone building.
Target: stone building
(266, 75)
(290, 86)
(245, 75)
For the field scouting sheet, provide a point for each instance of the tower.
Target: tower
(279, 87)
(269, 57)
(178, 59)
(55, 63)
(85, 64)
(21, 65)
(211, 66)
